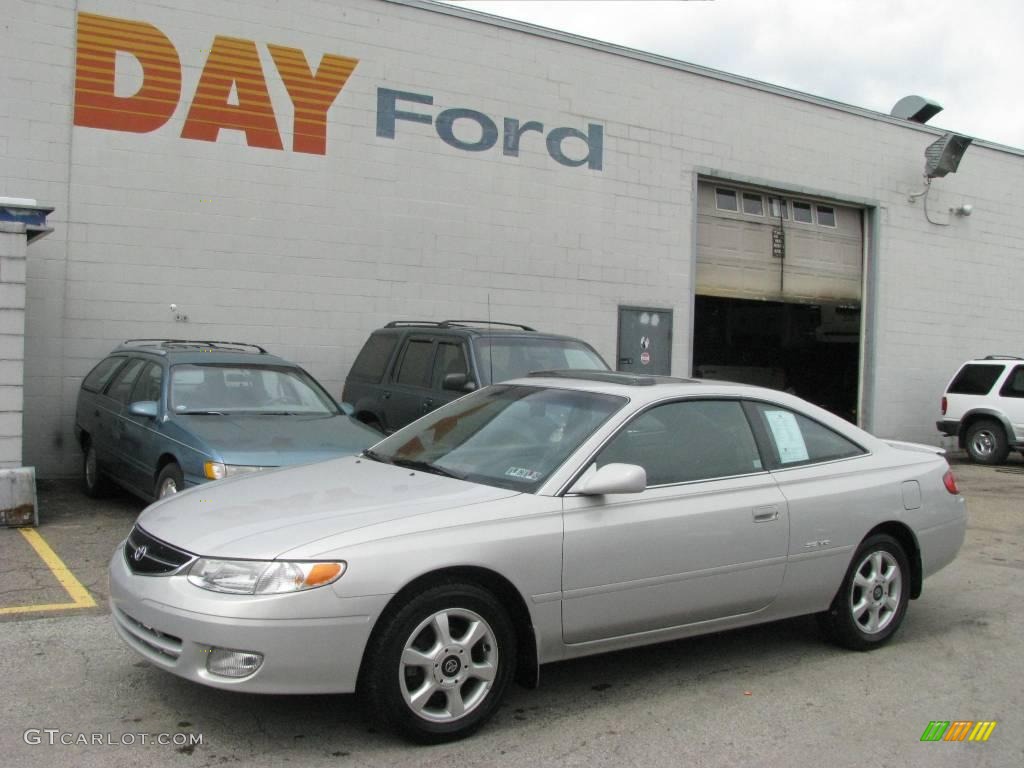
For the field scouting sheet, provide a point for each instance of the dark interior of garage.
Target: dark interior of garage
(811, 350)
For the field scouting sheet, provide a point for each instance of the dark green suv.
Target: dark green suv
(410, 367)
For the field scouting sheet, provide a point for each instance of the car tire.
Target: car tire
(417, 679)
(986, 442)
(870, 605)
(94, 481)
(170, 481)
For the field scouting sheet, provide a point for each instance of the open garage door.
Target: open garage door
(779, 293)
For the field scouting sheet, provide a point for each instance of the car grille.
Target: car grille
(149, 556)
(147, 640)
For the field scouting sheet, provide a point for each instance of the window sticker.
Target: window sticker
(788, 438)
(530, 475)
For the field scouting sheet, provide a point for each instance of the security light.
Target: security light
(943, 156)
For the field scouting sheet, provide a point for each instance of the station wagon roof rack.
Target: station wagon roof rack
(231, 346)
(1002, 357)
(452, 324)
(610, 377)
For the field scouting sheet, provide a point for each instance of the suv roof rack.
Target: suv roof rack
(609, 377)
(452, 324)
(1002, 357)
(231, 346)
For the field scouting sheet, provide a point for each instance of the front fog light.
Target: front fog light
(228, 663)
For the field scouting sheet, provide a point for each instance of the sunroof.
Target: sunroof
(610, 377)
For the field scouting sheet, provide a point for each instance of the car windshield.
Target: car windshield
(514, 358)
(507, 436)
(219, 388)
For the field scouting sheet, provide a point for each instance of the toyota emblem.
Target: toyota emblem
(140, 552)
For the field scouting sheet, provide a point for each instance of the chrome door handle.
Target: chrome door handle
(766, 514)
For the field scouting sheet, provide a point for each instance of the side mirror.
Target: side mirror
(611, 478)
(147, 408)
(347, 409)
(458, 382)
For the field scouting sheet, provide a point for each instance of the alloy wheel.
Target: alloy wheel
(983, 444)
(448, 665)
(875, 592)
(168, 487)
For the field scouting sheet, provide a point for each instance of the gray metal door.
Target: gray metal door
(645, 340)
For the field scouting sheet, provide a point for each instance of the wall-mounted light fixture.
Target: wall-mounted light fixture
(962, 210)
(942, 156)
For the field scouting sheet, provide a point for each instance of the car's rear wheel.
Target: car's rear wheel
(438, 666)
(986, 442)
(871, 603)
(93, 480)
(371, 421)
(170, 481)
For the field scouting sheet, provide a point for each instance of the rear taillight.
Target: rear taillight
(944, 405)
(950, 482)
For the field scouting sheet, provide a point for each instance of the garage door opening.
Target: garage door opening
(811, 350)
(779, 292)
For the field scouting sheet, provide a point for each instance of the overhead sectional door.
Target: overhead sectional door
(757, 244)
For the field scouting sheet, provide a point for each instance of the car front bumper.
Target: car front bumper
(311, 642)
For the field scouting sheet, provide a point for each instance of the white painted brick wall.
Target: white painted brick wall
(12, 342)
(306, 254)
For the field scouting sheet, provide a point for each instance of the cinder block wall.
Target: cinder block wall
(12, 342)
(307, 253)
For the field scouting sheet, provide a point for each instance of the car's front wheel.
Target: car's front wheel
(170, 481)
(438, 666)
(871, 603)
(986, 442)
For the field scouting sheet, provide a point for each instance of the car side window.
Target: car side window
(796, 440)
(148, 386)
(99, 376)
(415, 366)
(1014, 386)
(125, 380)
(450, 358)
(685, 441)
(975, 379)
(374, 357)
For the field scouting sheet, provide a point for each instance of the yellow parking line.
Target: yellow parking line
(79, 595)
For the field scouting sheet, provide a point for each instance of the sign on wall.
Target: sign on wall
(233, 69)
(232, 64)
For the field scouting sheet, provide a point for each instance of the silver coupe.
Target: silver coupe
(560, 515)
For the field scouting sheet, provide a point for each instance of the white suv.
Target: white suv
(983, 407)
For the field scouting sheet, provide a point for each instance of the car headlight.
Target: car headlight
(262, 577)
(214, 470)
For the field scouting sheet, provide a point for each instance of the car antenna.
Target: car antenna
(490, 346)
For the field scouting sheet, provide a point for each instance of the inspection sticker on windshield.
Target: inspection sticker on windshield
(788, 437)
(523, 474)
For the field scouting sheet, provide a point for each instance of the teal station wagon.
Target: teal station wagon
(161, 415)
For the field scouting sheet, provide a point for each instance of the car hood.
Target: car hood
(264, 515)
(274, 441)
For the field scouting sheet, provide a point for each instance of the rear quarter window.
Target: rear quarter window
(100, 376)
(373, 358)
(796, 440)
(975, 379)
(1014, 386)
